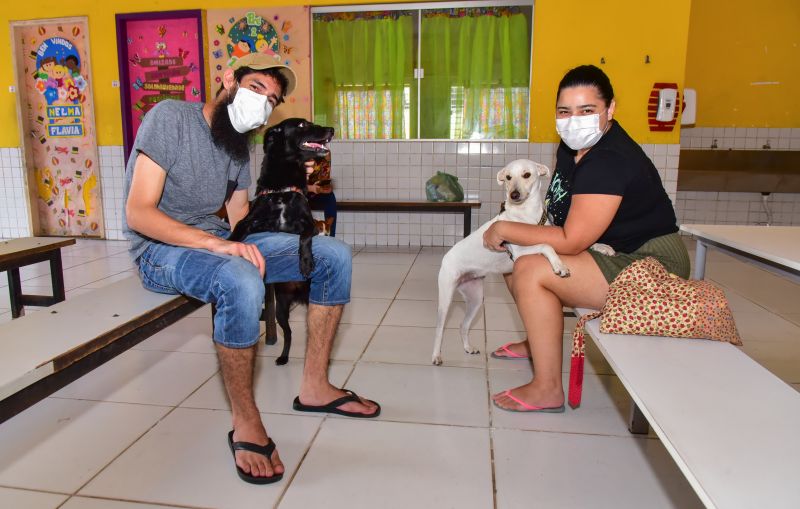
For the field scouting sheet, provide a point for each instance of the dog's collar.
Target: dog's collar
(276, 191)
(543, 220)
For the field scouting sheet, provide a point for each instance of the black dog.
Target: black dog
(281, 205)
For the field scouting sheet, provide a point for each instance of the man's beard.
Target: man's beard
(234, 143)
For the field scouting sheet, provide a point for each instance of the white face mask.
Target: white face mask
(249, 110)
(579, 131)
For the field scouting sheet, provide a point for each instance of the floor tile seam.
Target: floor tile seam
(579, 433)
(22, 488)
(426, 365)
(133, 501)
(116, 402)
(64, 269)
(300, 462)
(757, 304)
(124, 450)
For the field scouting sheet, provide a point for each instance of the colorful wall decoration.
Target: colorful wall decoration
(281, 32)
(56, 118)
(160, 57)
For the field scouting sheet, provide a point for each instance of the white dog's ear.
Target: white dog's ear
(501, 176)
(542, 170)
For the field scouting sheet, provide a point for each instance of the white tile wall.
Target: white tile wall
(739, 208)
(112, 175)
(399, 170)
(741, 138)
(385, 169)
(13, 197)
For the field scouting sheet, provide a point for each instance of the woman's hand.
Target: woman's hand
(493, 237)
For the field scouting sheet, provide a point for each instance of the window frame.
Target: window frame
(419, 7)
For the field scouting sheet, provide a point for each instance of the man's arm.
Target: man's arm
(237, 207)
(143, 215)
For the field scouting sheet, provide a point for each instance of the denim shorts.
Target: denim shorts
(234, 285)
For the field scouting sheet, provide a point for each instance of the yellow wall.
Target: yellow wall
(760, 44)
(566, 33)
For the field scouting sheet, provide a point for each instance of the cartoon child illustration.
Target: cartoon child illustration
(71, 62)
(44, 70)
(242, 48)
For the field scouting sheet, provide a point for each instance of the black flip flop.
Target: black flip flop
(264, 450)
(332, 407)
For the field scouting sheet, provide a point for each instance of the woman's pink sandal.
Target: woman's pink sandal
(510, 354)
(528, 408)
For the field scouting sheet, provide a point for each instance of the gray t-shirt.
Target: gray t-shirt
(176, 136)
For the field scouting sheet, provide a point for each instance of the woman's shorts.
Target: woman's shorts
(667, 249)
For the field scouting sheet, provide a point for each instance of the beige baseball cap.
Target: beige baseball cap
(260, 61)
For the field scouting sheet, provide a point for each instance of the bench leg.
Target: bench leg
(637, 424)
(57, 276)
(700, 261)
(467, 222)
(15, 293)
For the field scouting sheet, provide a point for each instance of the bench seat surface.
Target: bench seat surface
(729, 424)
(31, 345)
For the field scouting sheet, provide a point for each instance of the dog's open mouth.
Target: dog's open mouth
(318, 146)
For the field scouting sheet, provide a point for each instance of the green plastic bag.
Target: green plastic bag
(444, 187)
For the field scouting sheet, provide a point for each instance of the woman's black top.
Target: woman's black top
(616, 165)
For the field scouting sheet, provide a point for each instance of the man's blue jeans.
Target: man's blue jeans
(234, 285)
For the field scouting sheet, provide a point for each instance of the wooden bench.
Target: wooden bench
(463, 207)
(729, 424)
(20, 252)
(48, 349)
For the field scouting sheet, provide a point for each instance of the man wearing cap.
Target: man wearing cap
(189, 160)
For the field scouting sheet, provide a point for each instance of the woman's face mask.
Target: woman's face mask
(249, 110)
(580, 132)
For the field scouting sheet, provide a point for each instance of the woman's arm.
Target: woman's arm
(589, 216)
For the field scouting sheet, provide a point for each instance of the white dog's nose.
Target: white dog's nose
(514, 195)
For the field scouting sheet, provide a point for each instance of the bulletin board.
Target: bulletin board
(55, 113)
(284, 33)
(160, 57)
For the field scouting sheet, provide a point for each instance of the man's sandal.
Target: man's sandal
(264, 450)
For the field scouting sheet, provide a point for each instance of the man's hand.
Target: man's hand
(310, 166)
(247, 251)
(493, 238)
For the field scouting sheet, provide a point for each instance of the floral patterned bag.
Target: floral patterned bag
(644, 299)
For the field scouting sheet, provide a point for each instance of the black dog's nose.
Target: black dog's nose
(514, 195)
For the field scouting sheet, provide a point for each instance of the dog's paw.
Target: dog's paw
(561, 270)
(603, 249)
(283, 359)
(437, 360)
(471, 350)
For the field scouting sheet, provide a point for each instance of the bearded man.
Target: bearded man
(188, 160)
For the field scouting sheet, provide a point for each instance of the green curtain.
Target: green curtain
(477, 72)
(363, 68)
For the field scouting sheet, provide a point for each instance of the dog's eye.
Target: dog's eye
(526, 175)
(508, 177)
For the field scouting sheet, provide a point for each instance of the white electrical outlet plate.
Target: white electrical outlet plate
(12, 89)
(115, 84)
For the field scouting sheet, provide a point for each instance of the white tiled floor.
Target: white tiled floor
(148, 429)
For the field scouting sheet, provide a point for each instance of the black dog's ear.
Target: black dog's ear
(272, 136)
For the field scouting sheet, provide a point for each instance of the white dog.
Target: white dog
(466, 264)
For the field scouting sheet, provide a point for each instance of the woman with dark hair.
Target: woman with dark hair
(604, 190)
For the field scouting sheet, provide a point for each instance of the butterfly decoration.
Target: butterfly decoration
(287, 25)
(220, 29)
(138, 84)
(162, 30)
(135, 60)
(192, 67)
(287, 49)
(183, 53)
(195, 92)
(62, 150)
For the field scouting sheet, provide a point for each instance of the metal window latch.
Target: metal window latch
(419, 73)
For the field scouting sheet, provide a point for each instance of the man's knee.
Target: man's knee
(337, 255)
(239, 279)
